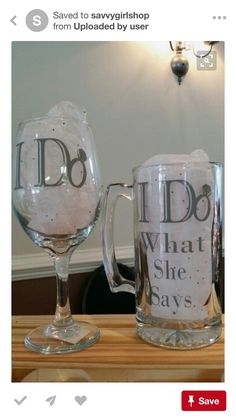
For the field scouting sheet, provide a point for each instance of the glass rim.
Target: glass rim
(177, 164)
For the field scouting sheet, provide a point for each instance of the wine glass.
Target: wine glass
(56, 199)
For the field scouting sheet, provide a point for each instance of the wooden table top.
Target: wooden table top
(119, 355)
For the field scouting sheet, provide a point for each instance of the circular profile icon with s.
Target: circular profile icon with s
(37, 20)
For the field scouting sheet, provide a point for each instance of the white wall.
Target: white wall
(134, 104)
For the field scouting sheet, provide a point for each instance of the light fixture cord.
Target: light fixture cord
(201, 56)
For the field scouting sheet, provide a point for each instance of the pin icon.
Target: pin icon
(190, 400)
(51, 400)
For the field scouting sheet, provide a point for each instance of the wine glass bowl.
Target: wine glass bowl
(56, 199)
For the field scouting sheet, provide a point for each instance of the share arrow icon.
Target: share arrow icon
(51, 400)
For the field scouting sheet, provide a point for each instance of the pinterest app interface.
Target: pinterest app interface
(114, 306)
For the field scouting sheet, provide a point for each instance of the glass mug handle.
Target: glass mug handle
(116, 281)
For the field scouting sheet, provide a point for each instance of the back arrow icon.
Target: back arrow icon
(51, 400)
(13, 20)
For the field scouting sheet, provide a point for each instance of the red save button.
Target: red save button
(203, 400)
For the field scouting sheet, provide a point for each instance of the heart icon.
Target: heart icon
(81, 400)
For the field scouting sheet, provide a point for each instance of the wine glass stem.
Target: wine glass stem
(63, 314)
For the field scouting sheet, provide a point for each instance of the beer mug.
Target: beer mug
(178, 245)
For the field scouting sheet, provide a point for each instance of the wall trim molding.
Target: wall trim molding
(37, 265)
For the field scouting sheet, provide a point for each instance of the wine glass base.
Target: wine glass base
(54, 339)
